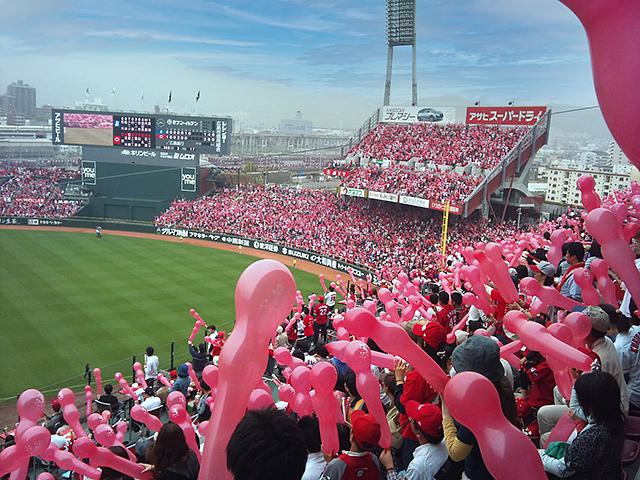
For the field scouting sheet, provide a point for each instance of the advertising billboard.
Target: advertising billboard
(437, 115)
(504, 115)
(166, 132)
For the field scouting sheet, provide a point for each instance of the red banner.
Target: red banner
(453, 208)
(332, 172)
(504, 115)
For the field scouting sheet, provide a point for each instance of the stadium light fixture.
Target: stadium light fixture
(401, 31)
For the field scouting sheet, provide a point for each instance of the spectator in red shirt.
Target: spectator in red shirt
(321, 315)
(446, 316)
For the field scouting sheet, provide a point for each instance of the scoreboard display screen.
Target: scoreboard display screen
(146, 131)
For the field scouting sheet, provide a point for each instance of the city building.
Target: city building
(561, 182)
(25, 98)
(616, 155)
(296, 126)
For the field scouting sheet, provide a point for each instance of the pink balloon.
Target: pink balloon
(358, 356)
(32, 443)
(197, 317)
(124, 385)
(68, 461)
(561, 372)
(195, 330)
(323, 283)
(563, 429)
(137, 368)
(210, 376)
(613, 30)
(474, 277)
(508, 353)
(97, 374)
(176, 398)
(30, 406)
(580, 326)
(506, 451)
(393, 339)
(121, 430)
(139, 414)
(70, 412)
(300, 380)
(45, 476)
(558, 238)
(88, 398)
(106, 415)
(264, 295)
(323, 380)
(286, 393)
(164, 381)
(383, 360)
(105, 435)
(94, 420)
(495, 268)
(451, 337)
(283, 356)
(85, 448)
(178, 415)
(259, 400)
(391, 307)
(193, 376)
(547, 295)
(537, 338)
(590, 199)
(584, 280)
(605, 228)
(607, 289)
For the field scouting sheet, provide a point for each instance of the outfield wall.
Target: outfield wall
(242, 242)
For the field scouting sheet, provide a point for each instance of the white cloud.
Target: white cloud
(168, 37)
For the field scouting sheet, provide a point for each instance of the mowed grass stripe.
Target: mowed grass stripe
(67, 299)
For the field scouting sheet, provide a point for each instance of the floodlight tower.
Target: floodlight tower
(401, 30)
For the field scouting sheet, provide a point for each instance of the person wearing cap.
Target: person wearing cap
(55, 421)
(330, 298)
(321, 316)
(358, 463)
(481, 355)
(544, 273)
(608, 361)
(425, 420)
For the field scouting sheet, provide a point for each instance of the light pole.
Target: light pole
(519, 214)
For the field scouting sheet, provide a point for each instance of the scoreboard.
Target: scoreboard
(165, 132)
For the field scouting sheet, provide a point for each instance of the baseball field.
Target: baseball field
(71, 299)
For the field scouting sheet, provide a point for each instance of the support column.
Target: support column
(414, 77)
(387, 84)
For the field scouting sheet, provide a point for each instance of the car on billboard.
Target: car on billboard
(429, 115)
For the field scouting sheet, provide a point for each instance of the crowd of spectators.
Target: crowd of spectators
(88, 120)
(36, 192)
(453, 144)
(431, 184)
(370, 234)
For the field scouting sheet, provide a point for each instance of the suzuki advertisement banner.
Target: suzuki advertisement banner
(438, 115)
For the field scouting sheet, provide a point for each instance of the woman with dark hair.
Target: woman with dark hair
(481, 355)
(171, 457)
(595, 452)
(355, 400)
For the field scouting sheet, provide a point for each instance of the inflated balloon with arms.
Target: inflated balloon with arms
(264, 295)
(561, 372)
(70, 412)
(137, 368)
(393, 339)
(558, 238)
(606, 287)
(300, 380)
(85, 448)
(507, 452)
(584, 280)
(605, 228)
(178, 415)
(588, 195)
(32, 443)
(358, 356)
(105, 435)
(139, 414)
(547, 295)
(323, 379)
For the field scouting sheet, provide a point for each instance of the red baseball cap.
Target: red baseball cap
(428, 417)
(364, 427)
(432, 332)
(55, 404)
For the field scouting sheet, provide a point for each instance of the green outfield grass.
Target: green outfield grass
(67, 299)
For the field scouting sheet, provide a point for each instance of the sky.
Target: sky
(261, 61)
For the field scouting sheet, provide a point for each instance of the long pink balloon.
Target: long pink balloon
(584, 280)
(393, 339)
(33, 442)
(300, 380)
(69, 411)
(494, 266)
(178, 415)
(537, 338)
(590, 199)
(506, 451)
(358, 356)
(139, 414)
(547, 295)
(323, 379)
(613, 30)
(558, 238)
(193, 376)
(264, 296)
(85, 448)
(97, 373)
(603, 225)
